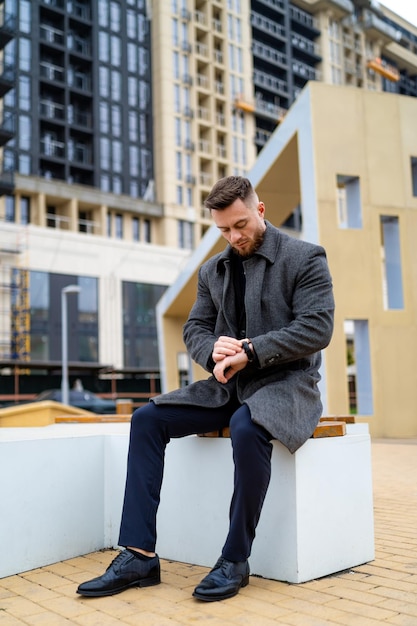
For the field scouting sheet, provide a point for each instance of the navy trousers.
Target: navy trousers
(152, 428)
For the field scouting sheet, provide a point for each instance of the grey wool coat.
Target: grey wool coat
(289, 319)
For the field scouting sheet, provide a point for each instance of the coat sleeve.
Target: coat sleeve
(309, 294)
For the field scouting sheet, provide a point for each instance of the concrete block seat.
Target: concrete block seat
(61, 488)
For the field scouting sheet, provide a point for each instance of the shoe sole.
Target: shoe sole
(146, 582)
(224, 596)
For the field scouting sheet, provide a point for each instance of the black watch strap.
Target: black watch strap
(249, 353)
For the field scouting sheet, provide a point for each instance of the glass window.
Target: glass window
(133, 126)
(414, 174)
(104, 117)
(104, 82)
(115, 85)
(109, 224)
(104, 153)
(24, 210)
(132, 91)
(103, 47)
(24, 16)
(24, 132)
(115, 16)
(116, 120)
(103, 13)
(175, 32)
(391, 262)
(134, 161)
(147, 231)
(178, 165)
(10, 209)
(359, 367)
(117, 156)
(24, 54)
(185, 235)
(104, 182)
(135, 229)
(143, 61)
(131, 24)
(143, 94)
(116, 51)
(132, 59)
(176, 64)
(24, 92)
(119, 226)
(24, 164)
(349, 201)
(177, 132)
(117, 184)
(179, 195)
(139, 324)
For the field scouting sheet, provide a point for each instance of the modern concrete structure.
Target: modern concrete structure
(357, 190)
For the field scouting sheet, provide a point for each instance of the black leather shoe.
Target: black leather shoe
(223, 581)
(125, 571)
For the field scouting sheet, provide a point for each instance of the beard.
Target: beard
(252, 245)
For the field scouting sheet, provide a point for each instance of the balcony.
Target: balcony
(269, 110)
(7, 128)
(6, 178)
(270, 83)
(7, 78)
(271, 55)
(52, 148)
(339, 8)
(51, 72)
(80, 118)
(405, 59)
(80, 153)
(79, 45)
(79, 80)
(56, 4)
(52, 110)
(376, 28)
(78, 9)
(267, 26)
(51, 35)
(7, 27)
(305, 20)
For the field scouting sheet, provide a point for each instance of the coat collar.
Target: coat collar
(268, 248)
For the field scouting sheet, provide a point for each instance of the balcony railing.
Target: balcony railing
(79, 45)
(52, 110)
(53, 148)
(51, 35)
(78, 9)
(52, 72)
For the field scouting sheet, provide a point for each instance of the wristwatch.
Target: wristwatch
(249, 353)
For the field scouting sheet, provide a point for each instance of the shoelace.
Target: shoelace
(118, 559)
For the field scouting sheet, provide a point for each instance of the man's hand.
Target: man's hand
(224, 347)
(228, 366)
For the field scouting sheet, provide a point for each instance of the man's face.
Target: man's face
(243, 227)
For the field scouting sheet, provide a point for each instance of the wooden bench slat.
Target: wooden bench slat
(327, 427)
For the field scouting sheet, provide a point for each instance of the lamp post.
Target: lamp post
(64, 339)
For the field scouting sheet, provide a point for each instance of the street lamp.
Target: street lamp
(64, 340)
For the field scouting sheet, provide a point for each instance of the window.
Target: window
(414, 175)
(10, 209)
(135, 229)
(349, 201)
(185, 234)
(359, 367)
(392, 284)
(119, 226)
(139, 324)
(24, 210)
(147, 231)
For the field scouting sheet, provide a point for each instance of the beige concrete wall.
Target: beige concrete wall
(371, 136)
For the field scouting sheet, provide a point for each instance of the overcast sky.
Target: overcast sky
(405, 8)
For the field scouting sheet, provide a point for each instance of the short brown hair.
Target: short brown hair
(229, 189)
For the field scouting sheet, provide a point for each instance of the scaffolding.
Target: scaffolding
(14, 294)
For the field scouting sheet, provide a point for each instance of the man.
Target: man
(263, 312)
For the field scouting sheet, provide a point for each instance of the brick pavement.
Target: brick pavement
(381, 592)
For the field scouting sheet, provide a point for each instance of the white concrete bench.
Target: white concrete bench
(61, 489)
(318, 513)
